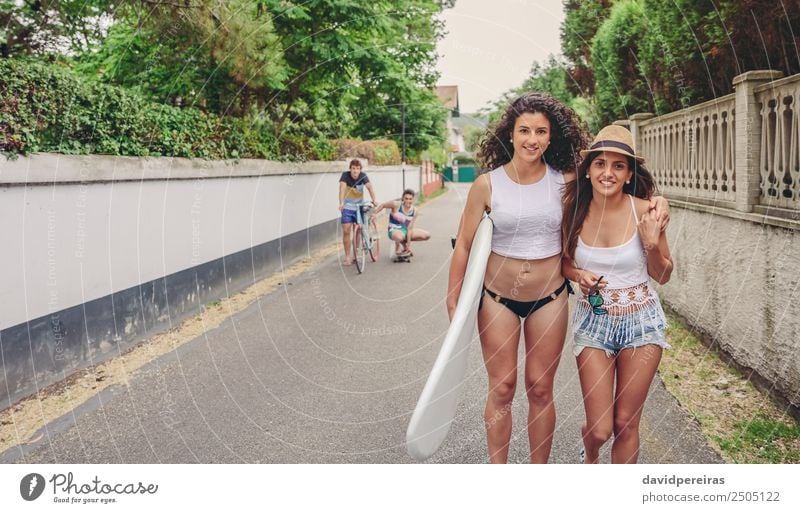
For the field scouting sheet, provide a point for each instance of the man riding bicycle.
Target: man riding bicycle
(351, 198)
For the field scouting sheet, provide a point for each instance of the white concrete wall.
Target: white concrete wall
(76, 228)
(737, 281)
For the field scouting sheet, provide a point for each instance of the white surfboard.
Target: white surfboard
(437, 404)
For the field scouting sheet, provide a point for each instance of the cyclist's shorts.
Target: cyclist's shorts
(349, 216)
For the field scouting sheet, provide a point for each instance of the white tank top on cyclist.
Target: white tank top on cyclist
(621, 266)
(527, 218)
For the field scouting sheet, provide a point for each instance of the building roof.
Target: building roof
(448, 95)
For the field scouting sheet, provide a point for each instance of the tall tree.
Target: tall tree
(662, 56)
(222, 56)
(375, 58)
(38, 27)
(774, 26)
(620, 87)
(305, 70)
(582, 19)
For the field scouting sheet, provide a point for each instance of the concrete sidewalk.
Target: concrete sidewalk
(327, 370)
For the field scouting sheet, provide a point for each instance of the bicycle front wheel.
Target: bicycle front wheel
(375, 246)
(358, 249)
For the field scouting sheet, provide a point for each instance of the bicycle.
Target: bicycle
(365, 223)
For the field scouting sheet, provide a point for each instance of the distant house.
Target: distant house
(448, 95)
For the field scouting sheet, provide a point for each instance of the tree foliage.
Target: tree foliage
(620, 88)
(582, 19)
(694, 49)
(552, 77)
(306, 70)
(220, 56)
(472, 138)
(369, 64)
(775, 27)
(39, 27)
(629, 56)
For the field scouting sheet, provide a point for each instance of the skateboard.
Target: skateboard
(400, 258)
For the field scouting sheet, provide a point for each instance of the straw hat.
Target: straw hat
(614, 138)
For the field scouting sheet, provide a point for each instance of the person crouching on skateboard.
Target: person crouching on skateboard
(402, 217)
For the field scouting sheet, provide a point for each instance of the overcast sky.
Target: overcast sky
(491, 45)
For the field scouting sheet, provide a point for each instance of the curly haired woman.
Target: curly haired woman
(532, 152)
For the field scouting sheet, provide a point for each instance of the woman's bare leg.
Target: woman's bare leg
(499, 330)
(545, 330)
(596, 372)
(635, 371)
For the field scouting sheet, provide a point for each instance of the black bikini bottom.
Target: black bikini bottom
(525, 308)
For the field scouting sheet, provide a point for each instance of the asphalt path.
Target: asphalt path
(328, 369)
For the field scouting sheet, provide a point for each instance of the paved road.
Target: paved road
(327, 369)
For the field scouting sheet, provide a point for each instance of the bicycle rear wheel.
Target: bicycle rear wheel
(375, 248)
(358, 249)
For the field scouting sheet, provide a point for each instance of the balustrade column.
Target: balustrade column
(635, 121)
(748, 137)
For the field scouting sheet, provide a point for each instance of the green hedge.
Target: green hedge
(47, 108)
(379, 152)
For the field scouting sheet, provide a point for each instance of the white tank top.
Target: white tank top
(527, 218)
(621, 266)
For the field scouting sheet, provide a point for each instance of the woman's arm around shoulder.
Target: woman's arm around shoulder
(642, 206)
(660, 207)
(654, 242)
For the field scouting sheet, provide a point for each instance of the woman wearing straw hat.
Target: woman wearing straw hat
(613, 245)
(532, 151)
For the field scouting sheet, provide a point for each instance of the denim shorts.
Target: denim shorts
(613, 333)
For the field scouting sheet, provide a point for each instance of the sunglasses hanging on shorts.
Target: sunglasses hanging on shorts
(595, 299)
